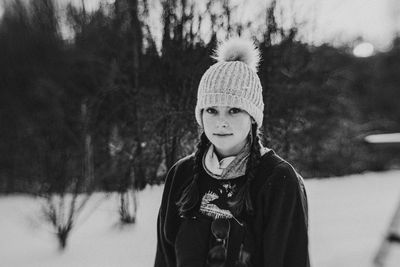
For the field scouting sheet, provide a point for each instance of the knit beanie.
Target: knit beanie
(233, 80)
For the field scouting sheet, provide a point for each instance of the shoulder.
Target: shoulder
(182, 168)
(281, 173)
(184, 163)
(285, 174)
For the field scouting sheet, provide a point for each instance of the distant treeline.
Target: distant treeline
(110, 110)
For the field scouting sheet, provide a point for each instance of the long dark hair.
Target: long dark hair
(242, 201)
(190, 195)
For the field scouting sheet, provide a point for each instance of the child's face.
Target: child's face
(227, 128)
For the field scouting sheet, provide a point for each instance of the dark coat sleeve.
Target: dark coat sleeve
(285, 235)
(165, 253)
(168, 219)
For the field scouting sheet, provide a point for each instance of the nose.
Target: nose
(222, 123)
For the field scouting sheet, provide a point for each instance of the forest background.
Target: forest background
(106, 109)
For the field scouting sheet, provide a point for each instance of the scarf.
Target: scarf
(229, 167)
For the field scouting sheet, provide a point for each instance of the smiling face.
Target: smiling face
(227, 128)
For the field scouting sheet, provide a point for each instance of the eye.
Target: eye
(211, 110)
(235, 110)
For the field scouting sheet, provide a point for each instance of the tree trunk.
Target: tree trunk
(62, 236)
(136, 46)
(88, 165)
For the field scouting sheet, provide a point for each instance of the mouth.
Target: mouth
(222, 135)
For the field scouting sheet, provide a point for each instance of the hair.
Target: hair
(190, 196)
(242, 201)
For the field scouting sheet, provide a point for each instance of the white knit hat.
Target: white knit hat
(233, 80)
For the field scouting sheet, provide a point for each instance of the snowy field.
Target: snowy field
(348, 217)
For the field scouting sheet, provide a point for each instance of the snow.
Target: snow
(383, 138)
(348, 217)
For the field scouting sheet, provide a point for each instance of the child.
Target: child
(233, 202)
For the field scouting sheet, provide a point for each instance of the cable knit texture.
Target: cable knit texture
(232, 83)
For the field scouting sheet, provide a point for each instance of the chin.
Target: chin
(223, 146)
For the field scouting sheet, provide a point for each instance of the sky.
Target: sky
(332, 21)
(376, 21)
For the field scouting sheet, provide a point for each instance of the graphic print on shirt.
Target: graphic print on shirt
(214, 202)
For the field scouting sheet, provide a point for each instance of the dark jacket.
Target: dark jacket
(276, 235)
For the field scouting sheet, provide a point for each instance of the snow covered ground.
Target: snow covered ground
(348, 217)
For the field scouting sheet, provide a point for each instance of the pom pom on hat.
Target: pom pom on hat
(238, 49)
